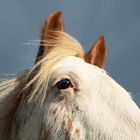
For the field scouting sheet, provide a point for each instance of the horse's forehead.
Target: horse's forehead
(76, 65)
(73, 61)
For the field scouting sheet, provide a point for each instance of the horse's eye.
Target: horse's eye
(64, 84)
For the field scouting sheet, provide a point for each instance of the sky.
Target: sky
(86, 20)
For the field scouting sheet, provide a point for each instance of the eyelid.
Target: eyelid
(70, 78)
(59, 78)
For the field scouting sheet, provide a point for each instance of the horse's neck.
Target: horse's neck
(120, 115)
(121, 101)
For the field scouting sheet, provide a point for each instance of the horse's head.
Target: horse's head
(67, 94)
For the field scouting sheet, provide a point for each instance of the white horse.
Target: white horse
(66, 95)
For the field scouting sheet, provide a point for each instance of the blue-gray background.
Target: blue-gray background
(117, 20)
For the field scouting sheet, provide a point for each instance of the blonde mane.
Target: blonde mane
(63, 45)
(84, 103)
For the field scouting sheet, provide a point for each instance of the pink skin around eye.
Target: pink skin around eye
(68, 90)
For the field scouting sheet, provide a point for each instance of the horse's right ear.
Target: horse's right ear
(53, 23)
(97, 54)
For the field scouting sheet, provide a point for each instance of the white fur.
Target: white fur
(105, 110)
(100, 110)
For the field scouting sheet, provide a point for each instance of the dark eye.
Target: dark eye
(64, 84)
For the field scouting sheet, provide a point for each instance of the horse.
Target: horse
(67, 94)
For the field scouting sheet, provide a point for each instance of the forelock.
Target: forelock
(63, 45)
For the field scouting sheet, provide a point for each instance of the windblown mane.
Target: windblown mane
(25, 113)
(63, 45)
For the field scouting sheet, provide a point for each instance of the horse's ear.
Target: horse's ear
(53, 23)
(97, 54)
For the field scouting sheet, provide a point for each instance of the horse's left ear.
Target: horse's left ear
(53, 23)
(97, 54)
